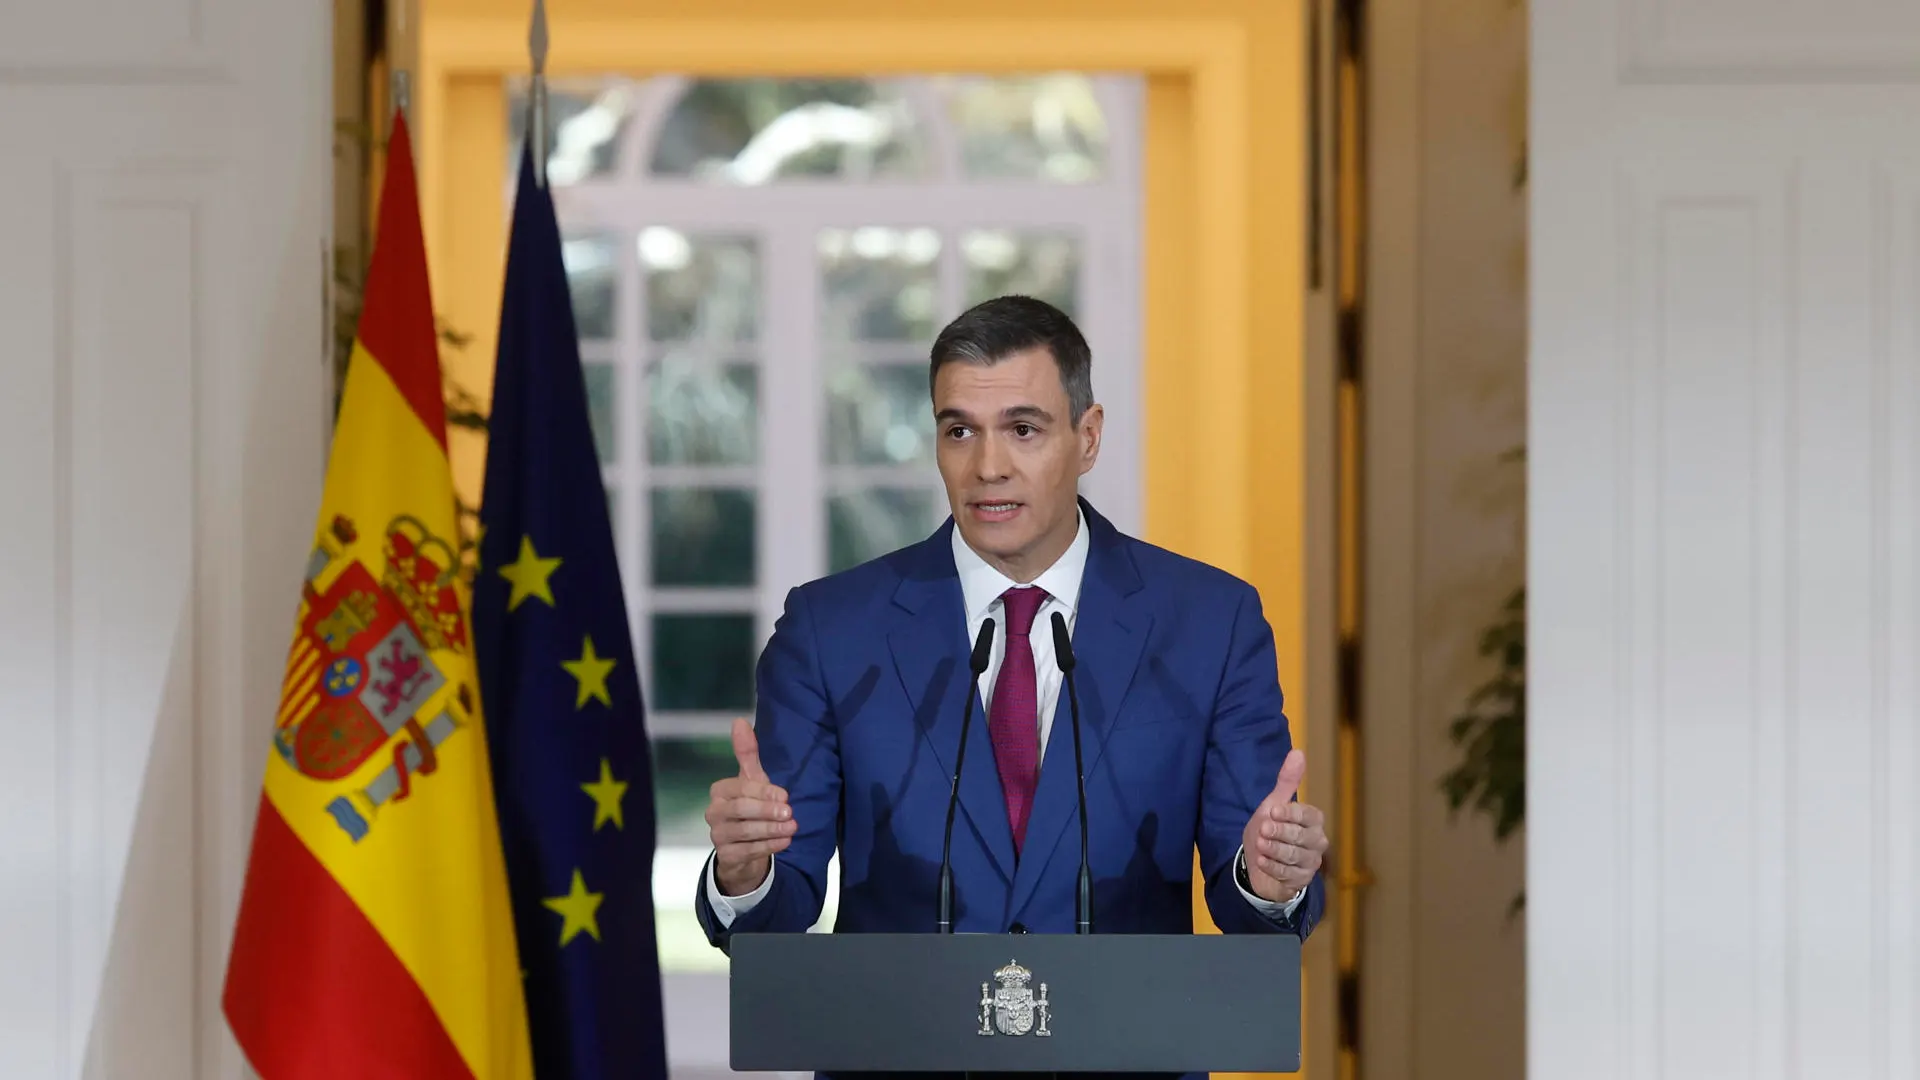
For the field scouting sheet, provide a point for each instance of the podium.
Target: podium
(1024, 1003)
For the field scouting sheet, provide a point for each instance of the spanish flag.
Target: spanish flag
(375, 936)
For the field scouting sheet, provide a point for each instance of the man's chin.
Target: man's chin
(995, 539)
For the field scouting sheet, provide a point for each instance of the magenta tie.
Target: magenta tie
(1013, 720)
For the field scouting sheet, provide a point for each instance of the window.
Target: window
(758, 267)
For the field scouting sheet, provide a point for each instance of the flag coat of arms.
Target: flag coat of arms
(375, 935)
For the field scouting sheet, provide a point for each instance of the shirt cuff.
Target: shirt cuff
(1276, 912)
(728, 908)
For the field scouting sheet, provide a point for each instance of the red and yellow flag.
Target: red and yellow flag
(375, 937)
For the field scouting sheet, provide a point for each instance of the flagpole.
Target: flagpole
(401, 55)
(537, 100)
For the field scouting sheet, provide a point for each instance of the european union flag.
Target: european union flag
(572, 771)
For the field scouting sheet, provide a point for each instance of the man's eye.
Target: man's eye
(1023, 430)
(956, 432)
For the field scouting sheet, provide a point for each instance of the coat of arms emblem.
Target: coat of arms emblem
(1012, 1008)
(363, 681)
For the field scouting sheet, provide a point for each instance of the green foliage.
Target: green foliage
(1491, 733)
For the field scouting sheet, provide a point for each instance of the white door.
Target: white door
(163, 198)
(1725, 569)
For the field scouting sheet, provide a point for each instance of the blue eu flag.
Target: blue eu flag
(566, 726)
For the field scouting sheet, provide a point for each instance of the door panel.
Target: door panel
(161, 432)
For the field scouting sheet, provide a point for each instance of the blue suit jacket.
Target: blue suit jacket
(860, 696)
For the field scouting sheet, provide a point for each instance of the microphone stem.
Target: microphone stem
(977, 663)
(953, 802)
(1084, 923)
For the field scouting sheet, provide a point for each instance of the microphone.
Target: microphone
(1063, 655)
(982, 653)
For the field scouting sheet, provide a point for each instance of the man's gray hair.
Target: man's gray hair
(992, 331)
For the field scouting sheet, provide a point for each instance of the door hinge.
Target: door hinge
(1350, 18)
(1349, 1010)
(1349, 676)
(1349, 344)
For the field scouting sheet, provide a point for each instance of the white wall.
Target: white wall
(1725, 569)
(163, 204)
(1442, 964)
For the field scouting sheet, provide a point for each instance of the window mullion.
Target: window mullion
(636, 511)
(792, 514)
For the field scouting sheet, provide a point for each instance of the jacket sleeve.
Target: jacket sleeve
(1246, 743)
(800, 750)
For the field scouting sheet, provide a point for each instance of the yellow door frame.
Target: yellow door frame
(1232, 435)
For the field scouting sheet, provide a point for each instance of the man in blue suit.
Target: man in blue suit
(862, 685)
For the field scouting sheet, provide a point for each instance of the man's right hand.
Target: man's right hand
(748, 819)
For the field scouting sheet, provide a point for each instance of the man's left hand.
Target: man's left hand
(1286, 840)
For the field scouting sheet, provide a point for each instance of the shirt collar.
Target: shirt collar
(981, 584)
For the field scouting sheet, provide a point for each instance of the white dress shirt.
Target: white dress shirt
(981, 587)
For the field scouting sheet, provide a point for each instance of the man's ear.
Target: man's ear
(1089, 430)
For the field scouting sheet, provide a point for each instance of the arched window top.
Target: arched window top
(1047, 128)
(759, 131)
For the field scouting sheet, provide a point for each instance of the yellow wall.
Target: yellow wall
(1226, 451)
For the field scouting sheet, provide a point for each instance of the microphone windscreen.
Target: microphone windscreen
(1062, 643)
(982, 648)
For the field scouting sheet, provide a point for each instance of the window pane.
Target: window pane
(590, 280)
(754, 131)
(1038, 264)
(865, 525)
(600, 403)
(702, 413)
(702, 536)
(699, 287)
(682, 943)
(879, 414)
(586, 119)
(880, 284)
(1047, 127)
(684, 769)
(703, 663)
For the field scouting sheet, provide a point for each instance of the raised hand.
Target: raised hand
(748, 819)
(1285, 840)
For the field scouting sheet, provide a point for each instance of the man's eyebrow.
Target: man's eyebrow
(1027, 412)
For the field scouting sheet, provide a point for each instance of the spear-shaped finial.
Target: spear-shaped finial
(400, 82)
(537, 102)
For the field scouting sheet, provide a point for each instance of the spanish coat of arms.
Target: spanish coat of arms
(361, 678)
(1012, 1008)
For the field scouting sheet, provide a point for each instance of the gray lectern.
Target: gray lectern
(1016, 1003)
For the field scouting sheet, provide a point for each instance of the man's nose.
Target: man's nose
(992, 462)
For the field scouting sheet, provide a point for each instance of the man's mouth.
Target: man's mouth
(995, 511)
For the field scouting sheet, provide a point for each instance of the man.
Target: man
(862, 685)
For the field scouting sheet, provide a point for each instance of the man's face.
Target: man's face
(1011, 458)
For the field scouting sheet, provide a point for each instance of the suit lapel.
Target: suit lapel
(930, 648)
(1109, 634)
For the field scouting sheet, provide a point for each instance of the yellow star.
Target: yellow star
(606, 793)
(591, 672)
(578, 910)
(529, 574)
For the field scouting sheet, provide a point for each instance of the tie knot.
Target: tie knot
(1022, 605)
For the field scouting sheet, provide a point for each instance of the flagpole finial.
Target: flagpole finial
(537, 37)
(400, 53)
(537, 100)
